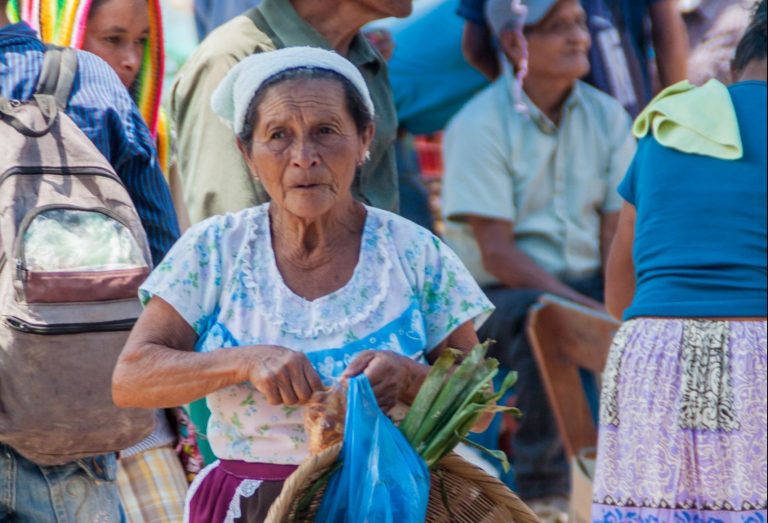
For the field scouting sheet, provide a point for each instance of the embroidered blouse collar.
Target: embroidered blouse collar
(329, 314)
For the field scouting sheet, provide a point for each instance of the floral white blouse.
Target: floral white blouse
(408, 292)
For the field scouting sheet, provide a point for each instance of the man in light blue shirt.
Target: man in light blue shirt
(531, 205)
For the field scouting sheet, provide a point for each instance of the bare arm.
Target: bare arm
(512, 266)
(478, 50)
(608, 224)
(158, 367)
(620, 271)
(670, 41)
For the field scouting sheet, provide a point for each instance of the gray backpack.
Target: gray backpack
(72, 256)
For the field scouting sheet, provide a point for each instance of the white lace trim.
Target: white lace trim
(327, 315)
(245, 489)
(195, 486)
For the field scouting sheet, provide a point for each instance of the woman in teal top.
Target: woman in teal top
(683, 411)
(699, 240)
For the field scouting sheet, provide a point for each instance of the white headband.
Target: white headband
(232, 97)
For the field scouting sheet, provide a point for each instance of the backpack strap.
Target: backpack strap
(58, 74)
(45, 103)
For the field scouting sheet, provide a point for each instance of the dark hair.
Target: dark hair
(753, 45)
(95, 5)
(352, 98)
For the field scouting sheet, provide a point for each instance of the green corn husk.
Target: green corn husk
(446, 438)
(428, 392)
(445, 405)
(498, 454)
(474, 403)
(460, 437)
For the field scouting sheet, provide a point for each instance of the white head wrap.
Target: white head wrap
(232, 97)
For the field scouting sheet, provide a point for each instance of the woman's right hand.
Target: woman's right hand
(284, 376)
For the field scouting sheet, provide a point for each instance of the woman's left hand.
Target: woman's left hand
(393, 377)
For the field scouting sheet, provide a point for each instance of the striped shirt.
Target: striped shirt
(102, 108)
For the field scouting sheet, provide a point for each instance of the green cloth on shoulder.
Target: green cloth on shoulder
(694, 120)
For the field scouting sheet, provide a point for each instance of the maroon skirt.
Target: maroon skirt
(235, 492)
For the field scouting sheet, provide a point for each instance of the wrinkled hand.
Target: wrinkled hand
(389, 373)
(282, 375)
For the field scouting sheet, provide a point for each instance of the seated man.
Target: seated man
(625, 33)
(530, 202)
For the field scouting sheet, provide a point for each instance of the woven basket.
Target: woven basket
(459, 493)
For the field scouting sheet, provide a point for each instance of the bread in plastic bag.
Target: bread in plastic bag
(324, 416)
(382, 479)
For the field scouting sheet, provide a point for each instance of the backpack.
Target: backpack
(72, 256)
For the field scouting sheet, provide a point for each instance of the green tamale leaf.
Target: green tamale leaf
(482, 379)
(445, 440)
(498, 454)
(445, 405)
(427, 393)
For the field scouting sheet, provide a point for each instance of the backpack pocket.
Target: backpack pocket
(68, 254)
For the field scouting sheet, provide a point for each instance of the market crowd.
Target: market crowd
(277, 236)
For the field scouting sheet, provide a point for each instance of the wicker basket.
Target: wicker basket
(459, 493)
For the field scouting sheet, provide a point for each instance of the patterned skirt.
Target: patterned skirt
(683, 423)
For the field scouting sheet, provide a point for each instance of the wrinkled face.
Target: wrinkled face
(558, 45)
(306, 146)
(387, 8)
(117, 32)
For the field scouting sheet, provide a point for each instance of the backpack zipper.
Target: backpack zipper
(69, 328)
(21, 271)
(62, 171)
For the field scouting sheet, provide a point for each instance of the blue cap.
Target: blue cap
(500, 16)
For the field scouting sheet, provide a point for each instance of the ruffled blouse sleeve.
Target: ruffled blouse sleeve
(448, 294)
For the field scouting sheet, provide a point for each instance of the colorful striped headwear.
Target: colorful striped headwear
(63, 22)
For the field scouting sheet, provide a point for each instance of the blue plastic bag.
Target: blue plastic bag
(382, 479)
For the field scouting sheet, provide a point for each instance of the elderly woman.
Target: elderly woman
(257, 310)
(683, 420)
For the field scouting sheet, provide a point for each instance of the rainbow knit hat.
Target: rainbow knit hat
(63, 22)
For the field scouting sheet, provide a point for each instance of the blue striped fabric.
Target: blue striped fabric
(102, 107)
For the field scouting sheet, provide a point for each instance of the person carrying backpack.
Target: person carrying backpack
(53, 472)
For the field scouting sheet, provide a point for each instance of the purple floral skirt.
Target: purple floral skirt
(234, 492)
(683, 423)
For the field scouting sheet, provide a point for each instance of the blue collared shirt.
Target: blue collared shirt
(210, 14)
(102, 108)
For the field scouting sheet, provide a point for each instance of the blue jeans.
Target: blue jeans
(81, 491)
